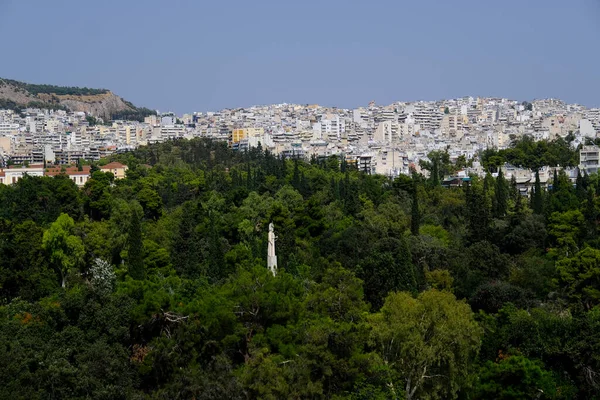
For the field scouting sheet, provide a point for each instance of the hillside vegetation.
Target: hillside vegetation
(36, 89)
(156, 286)
(102, 103)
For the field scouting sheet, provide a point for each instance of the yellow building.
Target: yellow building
(116, 168)
(238, 134)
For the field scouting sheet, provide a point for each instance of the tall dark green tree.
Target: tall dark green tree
(580, 189)
(538, 199)
(435, 172)
(415, 220)
(477, 213)
(135, 247)
(591, 214)
(296, 175)
(501, 193)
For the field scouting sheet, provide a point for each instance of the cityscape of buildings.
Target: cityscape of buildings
(388, 140)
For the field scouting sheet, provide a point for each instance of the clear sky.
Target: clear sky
(194, 55)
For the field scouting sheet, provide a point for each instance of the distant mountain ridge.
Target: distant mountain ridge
(97, 102)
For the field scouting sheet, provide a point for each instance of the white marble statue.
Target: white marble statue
(271, 257)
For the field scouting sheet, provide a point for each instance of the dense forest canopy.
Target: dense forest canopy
(156, 286)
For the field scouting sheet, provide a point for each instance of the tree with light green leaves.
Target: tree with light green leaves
(64, 249)
(429, 343)
(579, 276)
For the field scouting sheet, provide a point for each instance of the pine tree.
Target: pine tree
(538, 200)
(135, 252)
(415, 216)
(501, 195)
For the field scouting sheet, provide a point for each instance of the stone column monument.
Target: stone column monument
(271, 257)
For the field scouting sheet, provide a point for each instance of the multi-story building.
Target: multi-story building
(589, 159)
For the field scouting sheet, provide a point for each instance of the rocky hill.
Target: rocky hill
(97, 102)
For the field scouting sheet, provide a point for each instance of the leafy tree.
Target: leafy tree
(388, 268)
(65, 250)
(429, 343)
(515, 377)
(579, 275)
(97, 202)
(24, 268)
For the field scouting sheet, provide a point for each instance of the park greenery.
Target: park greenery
(156, 287)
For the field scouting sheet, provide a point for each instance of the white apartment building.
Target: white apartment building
(589, 159)
(8, 129)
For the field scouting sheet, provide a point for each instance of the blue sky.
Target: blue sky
(186, 55)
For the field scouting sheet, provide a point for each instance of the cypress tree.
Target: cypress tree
(415, 216)
(282, 168)
(186, 255)
(501, 195)
(591, 215)
(435, 172)
(335, 189)
(478, 213)
(296, 176)
(249, 177)
(580, 187)
(538, 200)
(516, 196)
(518, 204)
(135, 251)
(487, 182)
(514, 190)
(304, 188)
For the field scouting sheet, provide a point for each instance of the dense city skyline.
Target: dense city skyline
(189, 56)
